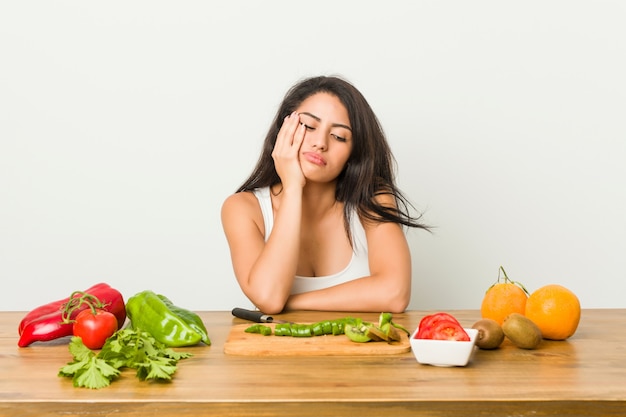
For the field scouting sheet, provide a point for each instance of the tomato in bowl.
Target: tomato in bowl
(440, 340)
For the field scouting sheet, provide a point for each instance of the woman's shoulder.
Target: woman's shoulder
(242, 201)
(241, 214)
(382, 200)
(385, 198)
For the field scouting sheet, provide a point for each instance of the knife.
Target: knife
(255, 316)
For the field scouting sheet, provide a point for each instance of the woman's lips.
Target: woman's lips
(314, 158)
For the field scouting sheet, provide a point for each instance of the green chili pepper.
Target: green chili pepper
(333, 327)
(301, 330)
(317, 329)
(192, 319)
(259, 328)
(327, 327)
(148, 312)
(283, 329)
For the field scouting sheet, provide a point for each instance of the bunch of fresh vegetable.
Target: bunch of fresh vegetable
(96, 316)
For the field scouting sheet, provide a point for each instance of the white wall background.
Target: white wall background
(124, 125)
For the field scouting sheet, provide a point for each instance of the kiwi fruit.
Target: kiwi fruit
(522, 331)
(357, 332)
(376, 334)
(490, 334)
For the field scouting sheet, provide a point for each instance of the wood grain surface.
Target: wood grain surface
(253, 344)
(582, 376)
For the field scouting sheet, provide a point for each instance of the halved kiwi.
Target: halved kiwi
(357, 332)
(376, 334)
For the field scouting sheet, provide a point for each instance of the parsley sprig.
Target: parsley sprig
(126, 348)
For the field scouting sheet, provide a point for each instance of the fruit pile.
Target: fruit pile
(509, 310)
(95, 318)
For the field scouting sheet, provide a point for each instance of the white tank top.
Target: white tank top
(357, 267)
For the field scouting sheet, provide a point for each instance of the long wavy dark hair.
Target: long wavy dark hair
(369, 171)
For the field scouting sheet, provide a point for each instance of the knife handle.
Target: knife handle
(255, 316)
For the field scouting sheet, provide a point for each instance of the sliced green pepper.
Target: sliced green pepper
(321, 328)
(259, 328)
(283, 329)
(317, 329)
(357, 328)
(301, 330)
(148, 312)
(327, 327)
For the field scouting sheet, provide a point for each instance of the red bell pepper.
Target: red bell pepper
(52, 321)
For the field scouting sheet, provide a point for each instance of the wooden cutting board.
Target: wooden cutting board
(253, 344)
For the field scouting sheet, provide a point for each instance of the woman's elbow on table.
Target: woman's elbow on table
(269, 303)
(397, 298)
(398, 304)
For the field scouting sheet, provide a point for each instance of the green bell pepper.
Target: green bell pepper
(168, 324)
(194, 320)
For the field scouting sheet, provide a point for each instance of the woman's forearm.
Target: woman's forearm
(271, 277)
(370, 294)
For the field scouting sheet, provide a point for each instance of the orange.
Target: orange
(555, 310)
(503, 298)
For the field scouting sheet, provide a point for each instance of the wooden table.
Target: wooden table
(583, 376)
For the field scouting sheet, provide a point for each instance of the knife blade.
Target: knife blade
(255, 316)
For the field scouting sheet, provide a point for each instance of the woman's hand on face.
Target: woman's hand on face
(287, 150)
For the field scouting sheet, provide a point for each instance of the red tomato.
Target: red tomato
(449, 330)
(429, 322)
(94, 329)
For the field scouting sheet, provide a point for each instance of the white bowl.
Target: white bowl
(443, 352)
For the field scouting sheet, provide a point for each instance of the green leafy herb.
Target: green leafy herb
(126, 348)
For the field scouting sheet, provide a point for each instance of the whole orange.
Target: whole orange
(502, 299)
(555, 310)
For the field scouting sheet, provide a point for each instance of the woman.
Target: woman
(318, 225)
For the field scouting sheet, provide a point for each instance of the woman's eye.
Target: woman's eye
(339, 138)
(307, 127)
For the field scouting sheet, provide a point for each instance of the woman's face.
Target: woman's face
(328, 138)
